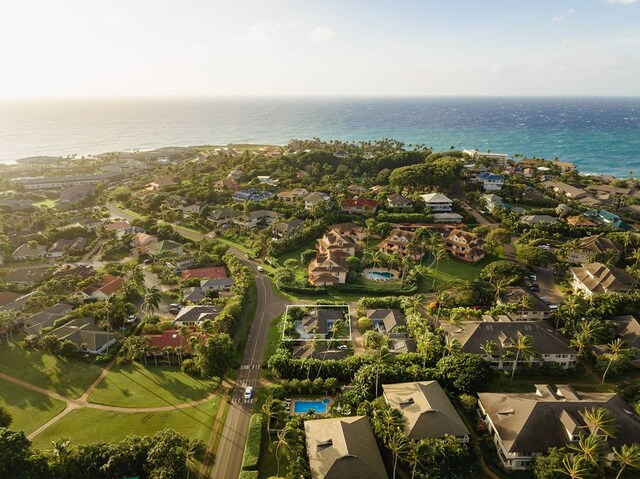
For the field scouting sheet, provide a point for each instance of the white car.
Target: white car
(248, 392)
(260, 269)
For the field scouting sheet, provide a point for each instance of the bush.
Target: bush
(188, 367)
(365, 323)
(251, 457)
(249, 475)
(468, 401)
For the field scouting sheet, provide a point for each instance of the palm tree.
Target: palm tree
(281, 444)
(523, 344)
(627, 456)
(635, 256)
(591, 447)
(5, 417)
(417, 455)
(398, 444)
(60, 448)
(380, 357)
(615, 351)
(179, 352)
(452, 346)
(599, 420)
(490, 348)
(500, 285)
(155, 350)
(438, 254)
(168, 351)
(526, 301)
(193, 450)
(427, 342)
(575, 466)
(273, 408)
(152, 300)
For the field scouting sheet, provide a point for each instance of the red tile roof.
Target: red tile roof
(361, 203)
(214, 272)
(171, 338)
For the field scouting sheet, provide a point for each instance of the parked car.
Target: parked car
(260, 269)
(174, 308)
(535, 287)
(248, 392)
(132, 318)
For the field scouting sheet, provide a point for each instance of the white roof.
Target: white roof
(435, 198)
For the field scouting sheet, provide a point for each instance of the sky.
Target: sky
(125, 48)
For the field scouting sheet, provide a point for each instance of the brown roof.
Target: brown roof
(534, 422)
(426, 409)
(341, 448)
(598, 244)
(577, 221)
(629, 330)
(8, 296)
(171, 338)
(213, 272)
(599, 278)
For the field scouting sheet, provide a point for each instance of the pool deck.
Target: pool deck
(330, 403)
(395, 275)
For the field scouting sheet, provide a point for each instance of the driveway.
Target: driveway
(482, 220)
(548, 288)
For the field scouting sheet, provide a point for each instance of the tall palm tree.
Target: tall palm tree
(523, 344)
(591, 447)
(599, 420)
(615, 351)
(589, 332)
(500, 285)
(282, 445)
(416, 455)
(635, 256)
(194, 449)
(168, 351)
(273, 408)
(180, 353)
(152, 299)
(627, 456)
(155, 350)
(452, 346)
(398, 444)
(438, 254)
(490, 348)
(526, 301)
(575, 466)
(380, 357)
(60, 449)
(427, 342)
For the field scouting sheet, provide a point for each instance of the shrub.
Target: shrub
(249, 475)
(365, 323)
(188, 366)
(251, 458)
(468, 401)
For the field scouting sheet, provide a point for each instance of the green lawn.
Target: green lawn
(274, 336)
(91, 425)
(48, 203)
(134, 385)
(64, 376)
(29, 409)
(450, 269)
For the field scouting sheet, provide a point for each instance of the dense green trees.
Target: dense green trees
(216, 356)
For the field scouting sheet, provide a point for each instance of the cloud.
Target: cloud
(563, 16)
(622, 2)
(322, 34)
(263, 31)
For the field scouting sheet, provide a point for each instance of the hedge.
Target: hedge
(249, 475)
(355, 288)
(320, 291)
(251, 457)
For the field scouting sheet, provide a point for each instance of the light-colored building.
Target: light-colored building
(437, 202)
(490, 181)
(427, 410)
(316, 198)
(399, 202)
(402, 243)
(597, 278)
(464, 245)
(328, 268)
(526, 425)
(451, 218)
(28, 251)
(194, 315)
(564, 189)
(293, 195)
(591, 246)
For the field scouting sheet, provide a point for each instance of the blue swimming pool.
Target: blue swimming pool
(302, 406)
(379, 275)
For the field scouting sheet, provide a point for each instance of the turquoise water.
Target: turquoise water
(377, 275)
(304, 406)
(601, 135)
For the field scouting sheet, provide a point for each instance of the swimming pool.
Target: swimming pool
(302, 406)
(379, 275)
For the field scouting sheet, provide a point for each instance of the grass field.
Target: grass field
(134, 385)
(450, 269)
(91, 425)
(29, 409)
(64, 376)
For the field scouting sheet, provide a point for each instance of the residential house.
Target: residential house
(321, 320)
(437, 203)
(343, 447)
(607, 218)
(83, 270)
(193, 209)
(328, 268)
(235, 174)
(527, 306)
(28, 251)
(628, 328)
(165, 247)
(549, 346)
(526, 425)
(490, 181)
(258, 218)
(86, 335)
(591, 246)
(341, 154)
(359, 206)
(494, 201)
(267, 180)
(251, 195)
(25, 276)
(528, 172)
(172, 338)
(161, 183)
(538, 219)
(293, 195)
(211, 272)
(74, 194)
(316, 198)
(564, 166)
(451, 218)
(90, 224)
(597, 278)
(352, 232)
(226, 184)
(63, 246)
(580, 221)
(103, 289)
(391, 322)
(7, 297)
(142, 241)
(356, 189)
(427, 410)
(569, 191)
(216, 284)
(45, 318)
(195, 315)
(399, 202)
(193, 294)
(224, 216)
(402, 243)
(334, 241)
(284, 229)
(464, 245)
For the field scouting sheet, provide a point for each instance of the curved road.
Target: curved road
(228, 460)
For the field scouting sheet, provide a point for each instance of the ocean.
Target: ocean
(601, 135)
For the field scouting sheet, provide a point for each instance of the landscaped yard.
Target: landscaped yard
(450, 269)
(92, 425)
(134, 385)
(29, 409)
(64, 376)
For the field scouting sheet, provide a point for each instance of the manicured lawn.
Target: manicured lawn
(134, 385)
(450, 269)
(88, 425)
(29, 409)
(273, 338)
(64, 376)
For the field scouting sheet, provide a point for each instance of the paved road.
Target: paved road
(228, 459)
(548, 288)
(482, 220)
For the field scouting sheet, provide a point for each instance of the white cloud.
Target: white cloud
(562, 16)
(322, 34)
(264, 31)
(622, 2)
